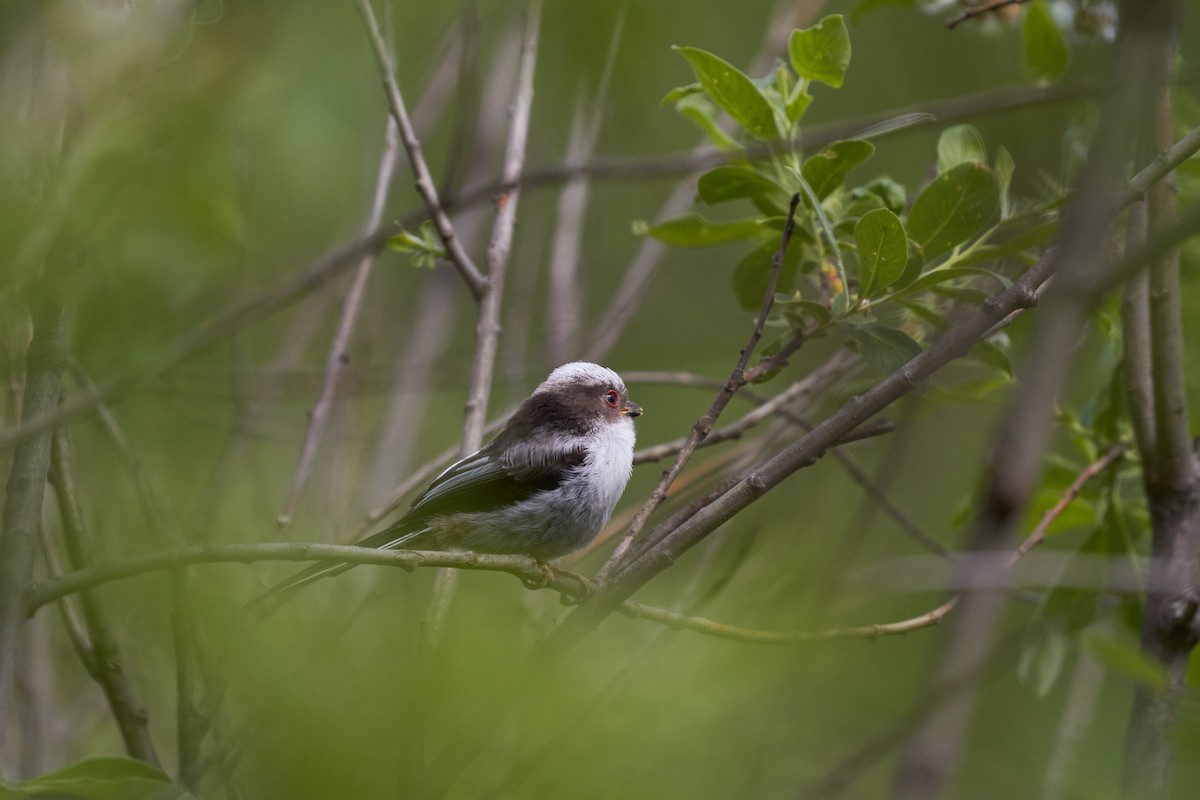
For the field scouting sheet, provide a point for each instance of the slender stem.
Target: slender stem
(102, 655)
(339, 356)
(981, 9)
(487, 329)
(704, 425)
(475, 281)
(26, 486)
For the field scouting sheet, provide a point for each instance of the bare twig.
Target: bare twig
(339, 355)
(763, 412)
(475, 281)
(980, 10)
(487, 328)
(1080, 265)
(1172, 476)
(26, 486)
(1038, 535)
(704, 425)
(1135, 335)
(100, 652)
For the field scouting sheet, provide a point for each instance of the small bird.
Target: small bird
(544, 487)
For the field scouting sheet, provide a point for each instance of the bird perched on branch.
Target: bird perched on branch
(544, 487)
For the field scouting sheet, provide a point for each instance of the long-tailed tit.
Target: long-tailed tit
(544, 487)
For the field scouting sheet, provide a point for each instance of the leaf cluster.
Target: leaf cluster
(869, 262)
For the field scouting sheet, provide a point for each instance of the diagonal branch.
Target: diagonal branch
(704, 425)
(335, 364)
(26, 486)
(475, 281)
(101, 654)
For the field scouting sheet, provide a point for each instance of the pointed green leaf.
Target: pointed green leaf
(680, 92)
(693, 230)
(699, 110)
(797, 311)
(733, 92)
(1041, 663)
(944, 274)
(885, 349)
(733, 182)
(105, 778)
(822, 52)
(827, 169)
(960, 144)
(954, 207)
(798, 104)
(882, 251)
(1046, 51)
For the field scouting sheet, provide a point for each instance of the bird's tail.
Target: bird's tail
(396, 538)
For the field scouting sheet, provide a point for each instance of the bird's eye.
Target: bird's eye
(612, 398)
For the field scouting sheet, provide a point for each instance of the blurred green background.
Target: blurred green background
(163, 161)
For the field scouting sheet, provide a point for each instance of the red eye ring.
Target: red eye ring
(612, 398)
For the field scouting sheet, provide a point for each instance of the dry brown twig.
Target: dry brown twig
(980, 10)
(740, 377)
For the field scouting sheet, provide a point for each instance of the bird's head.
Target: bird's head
(585, 393)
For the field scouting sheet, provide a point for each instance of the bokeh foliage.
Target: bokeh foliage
(164, 161)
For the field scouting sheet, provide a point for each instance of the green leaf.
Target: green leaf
(680, 92)
(796, 309)
(699, 110)
(960, 144)
(953, 208)
(841, 299)
(827, 169)
(753, 272)
(822, 52)
(693, 230)
(944, 274)
(1041, 663)
(1046, 51)
(733, 92)
(107, 778)
(915, 266)
(882, 251)
(798, 104)
(893, 195)
(1124, 657)
(1004, 167)
(733, 182)
(1019, 244)
(885, 349)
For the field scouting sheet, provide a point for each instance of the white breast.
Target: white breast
(610, 461)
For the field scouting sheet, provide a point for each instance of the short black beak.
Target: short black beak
(632, 409)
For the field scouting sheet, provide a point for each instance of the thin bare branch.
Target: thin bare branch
(1135, 334)
(980, 10)
(487, 329)
(704, 425)
(798, 390)
(475, 281)
(1038, 534)
(26, 486)
(339, 352)
(100, 652)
